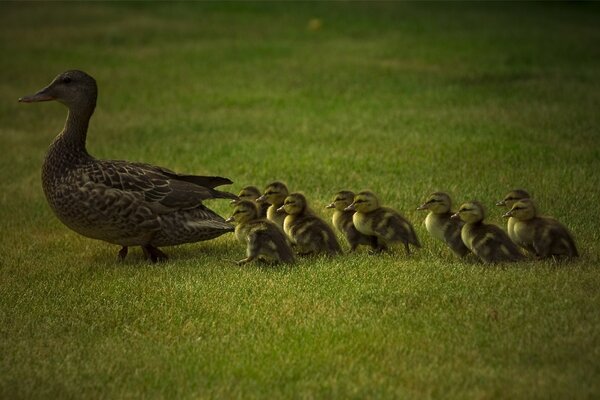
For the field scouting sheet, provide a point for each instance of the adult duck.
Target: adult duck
(120, 202)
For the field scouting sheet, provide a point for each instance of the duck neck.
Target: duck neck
(71, 141)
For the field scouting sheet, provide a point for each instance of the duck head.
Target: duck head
(470, 212)
(522, 210)
(275, 193)
(250, 193)
(72, 88)
(364, 202)
(294, 204)
(438, 203)
(512, 197)
(244, 211)
(342, 200)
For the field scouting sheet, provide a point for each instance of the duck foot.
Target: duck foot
(123, 253)
(154, 254)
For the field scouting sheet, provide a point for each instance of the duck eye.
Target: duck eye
(66, 79)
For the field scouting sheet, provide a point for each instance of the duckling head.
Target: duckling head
(522, 210)
(438, 203)
(74, 88)
(294, 204)
(247, 193)
(244, 211)
(512, 197)
(470, 212)
(342, 200)
(364, 202)
(275, 193)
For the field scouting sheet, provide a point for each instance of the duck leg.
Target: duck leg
(123, 253)
(154, 254)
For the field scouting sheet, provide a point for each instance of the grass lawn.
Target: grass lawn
(401, 98)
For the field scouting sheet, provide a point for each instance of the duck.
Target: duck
(487, 241)
(121, 202)
(252, 193)
(307, 232)
(342, 220)
(440, 224)
(274, 195)
(509, 200)
(264, 240)
(385, 223)
(540, 236)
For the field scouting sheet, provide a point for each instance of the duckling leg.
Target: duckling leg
(407, 248)
(123, 253)
(154, 254)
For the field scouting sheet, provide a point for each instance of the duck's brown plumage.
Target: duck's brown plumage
(121, 202)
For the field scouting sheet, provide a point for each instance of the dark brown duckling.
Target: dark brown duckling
(386, 224)
(252, 193)
(307, 232)
(487, 241)
(509, 200)
(274, 195)
(441, 225)
(541, 236)
(121, 202)
(342, 220)
(265, 240)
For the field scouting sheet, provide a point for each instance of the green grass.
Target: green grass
(401, 98)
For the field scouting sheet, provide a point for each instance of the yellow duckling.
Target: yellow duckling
(541, 236)
(385, 223)
(252, 193)
(509, 200)
(342, 220)
(441, 225)
(309, 233)
(487, 241)
(265, 240)
(274, 195)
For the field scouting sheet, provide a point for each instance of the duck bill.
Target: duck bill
(230, 219)
(234, 201)
(501, 203)
(350, 208)
(507, 215)
(261, 199)
(422, 207)
(42, 95)
(330, 205)
(455, 216)
(281, 209)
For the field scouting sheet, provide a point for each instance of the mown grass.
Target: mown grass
(402, 98)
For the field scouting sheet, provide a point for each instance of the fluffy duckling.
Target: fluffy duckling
(487, 241)
(252, 193)
(441, 225)
(509, 200)
(542, 236)
(265, 240)
(274, 195)
(342, 220)
(309, 233)
(385, 223)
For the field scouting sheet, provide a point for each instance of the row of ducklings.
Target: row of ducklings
(272, 222)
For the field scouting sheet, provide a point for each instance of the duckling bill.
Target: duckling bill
(386, 224)
(509, 200)
(252, 193)
(121, 202)
(307, 232)
(265, 241)
(342, 220)
(441, 225)
(541, 236)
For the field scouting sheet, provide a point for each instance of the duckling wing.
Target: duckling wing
(492, 245)
(553, 238)
(161, 192)
(393, 226)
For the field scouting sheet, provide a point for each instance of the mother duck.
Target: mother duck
(120, 202)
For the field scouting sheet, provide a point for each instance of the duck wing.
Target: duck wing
(162, 190)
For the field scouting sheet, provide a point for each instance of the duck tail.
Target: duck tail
(206, 181)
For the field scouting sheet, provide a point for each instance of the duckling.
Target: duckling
(487, 241)
(509, 200)
(265, 240)
(309, 233)
(385, 223)
(274, 195)
(252, 193)
(542, 236)
(441, 225)
(342, 220)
